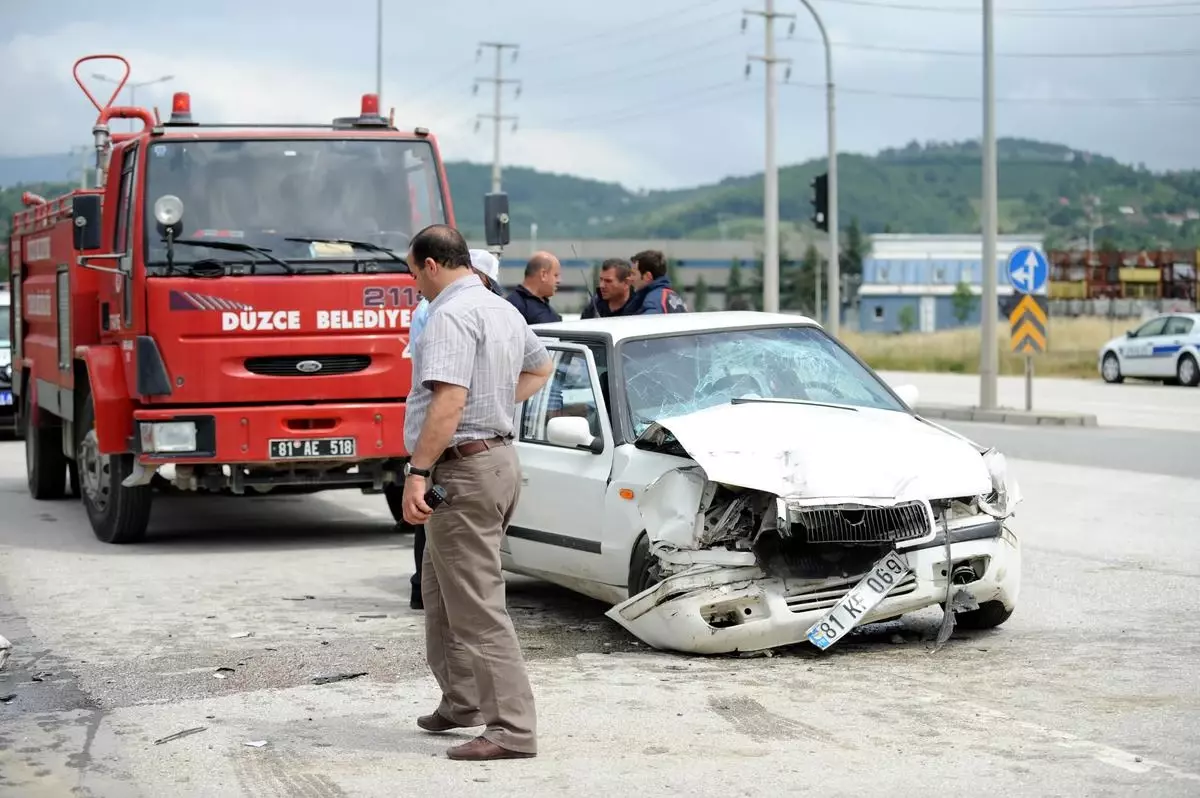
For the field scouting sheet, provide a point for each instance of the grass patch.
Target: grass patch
(1072, 348)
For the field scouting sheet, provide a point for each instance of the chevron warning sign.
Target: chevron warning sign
(1027, 320)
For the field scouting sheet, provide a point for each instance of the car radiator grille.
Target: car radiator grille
(826, 596)
(852, 523)
(291, 366)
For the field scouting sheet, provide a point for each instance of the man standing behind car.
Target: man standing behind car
(473, 363)
(532, 297)
(487, 266)
(614, 292)
(655, 294)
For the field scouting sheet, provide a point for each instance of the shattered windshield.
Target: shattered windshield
(680, 374)
(260, 192)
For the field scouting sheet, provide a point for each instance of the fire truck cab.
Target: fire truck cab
(227, 312)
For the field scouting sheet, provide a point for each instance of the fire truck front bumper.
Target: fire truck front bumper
(279, 438)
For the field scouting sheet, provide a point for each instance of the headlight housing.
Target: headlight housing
(160, 437)
(1006, 493)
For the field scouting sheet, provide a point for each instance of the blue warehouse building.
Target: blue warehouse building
(921, 273)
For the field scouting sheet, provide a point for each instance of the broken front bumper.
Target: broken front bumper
(717, 609)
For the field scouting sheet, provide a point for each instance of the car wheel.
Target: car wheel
(989, 615)
(644, 569)
(1187, 372)
(1110, 369)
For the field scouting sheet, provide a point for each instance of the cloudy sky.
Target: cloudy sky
(649, 94)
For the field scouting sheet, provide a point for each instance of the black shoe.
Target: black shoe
(415, 602)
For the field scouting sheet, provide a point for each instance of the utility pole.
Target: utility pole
(498, 80)
(834, 265)
(771, 171)
(989, 357)
(379, 51)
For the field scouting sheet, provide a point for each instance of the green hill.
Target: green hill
(919, 188)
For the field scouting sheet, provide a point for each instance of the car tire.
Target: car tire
(118, 514)
(45, 463)
(989, 615)
(1110, 369)
(1187, 371)
(644, 569)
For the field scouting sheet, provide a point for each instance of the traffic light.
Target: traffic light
(820, 201)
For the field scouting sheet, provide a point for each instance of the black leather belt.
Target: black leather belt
(468, 448)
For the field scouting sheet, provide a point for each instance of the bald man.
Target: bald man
(532, 297)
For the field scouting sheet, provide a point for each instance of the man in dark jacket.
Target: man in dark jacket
(614, 292)
(532, 297)
(655, 293)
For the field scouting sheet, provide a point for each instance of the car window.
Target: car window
(1179, 325)
(1152, 327)
(568, 392)
(680, 374)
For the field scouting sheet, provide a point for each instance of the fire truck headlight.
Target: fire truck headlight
(168, 436)
(168, 210)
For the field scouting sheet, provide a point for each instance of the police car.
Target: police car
(8, 413)
(1165, 348)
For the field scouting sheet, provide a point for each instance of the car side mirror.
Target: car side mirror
(1130, 334)
(85, 209)
(574, 432)
(908, 394)
(495, 219)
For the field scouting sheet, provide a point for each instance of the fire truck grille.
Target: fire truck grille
(307, 365)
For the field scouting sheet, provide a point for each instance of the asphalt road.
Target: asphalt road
(1090, 689)
(1143, 405)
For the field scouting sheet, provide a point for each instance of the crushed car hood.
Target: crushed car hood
(810, 450)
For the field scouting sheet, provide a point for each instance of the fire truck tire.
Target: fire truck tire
(45, 464)
(118, 514)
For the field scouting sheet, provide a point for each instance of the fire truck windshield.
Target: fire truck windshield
(263, 192)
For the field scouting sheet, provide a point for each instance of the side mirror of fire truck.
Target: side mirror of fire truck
(86, 211)
(495, 219)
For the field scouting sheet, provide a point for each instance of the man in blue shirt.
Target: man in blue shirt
(614, 292)
(654, 293)
(487, 267)
(532, 297)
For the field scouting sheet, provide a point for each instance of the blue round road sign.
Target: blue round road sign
(1028, 270)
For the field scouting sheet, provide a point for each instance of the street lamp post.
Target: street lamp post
(989, 355)
(133, 87)
(834, 267)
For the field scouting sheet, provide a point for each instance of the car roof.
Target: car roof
(624, 327)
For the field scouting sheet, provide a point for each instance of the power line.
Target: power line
(1188, 53)
(666, 102)
(1079, 12)
(657, 31)
(699, 51)
(1081, 101)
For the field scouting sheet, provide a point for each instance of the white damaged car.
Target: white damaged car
(739, 481)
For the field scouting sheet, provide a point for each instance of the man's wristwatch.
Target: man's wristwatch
(417, 472)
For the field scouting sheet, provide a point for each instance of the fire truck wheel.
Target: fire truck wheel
(45, 464)
(118, 514)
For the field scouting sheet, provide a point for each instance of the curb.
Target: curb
(1007, 415)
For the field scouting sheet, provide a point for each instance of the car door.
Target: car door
(1178, 334)
(558, 524)
(1137, 350)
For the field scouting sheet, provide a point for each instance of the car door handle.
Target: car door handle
(524, 478)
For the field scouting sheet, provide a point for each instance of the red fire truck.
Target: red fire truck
(227, 312)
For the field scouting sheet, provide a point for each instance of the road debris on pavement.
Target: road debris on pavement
(178, 734)
(337, 677)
